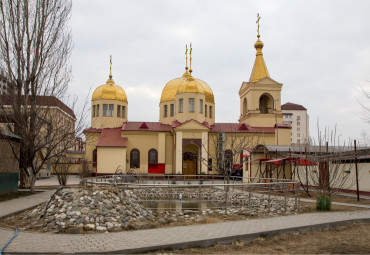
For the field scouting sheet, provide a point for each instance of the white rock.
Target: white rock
(101, 228)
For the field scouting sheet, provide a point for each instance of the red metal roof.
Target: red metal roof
(41, 100)
(240, 128)
(93, 130)
(291, 106)
(283, 126)
(177, 123)
(145, 126)
(111, 137)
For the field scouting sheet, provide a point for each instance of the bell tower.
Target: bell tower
(260, 97)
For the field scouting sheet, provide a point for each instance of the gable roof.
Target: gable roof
(176, 123)
(239, 128)
(145, 126)
(111, 137)
(42, 101)
(291, 106)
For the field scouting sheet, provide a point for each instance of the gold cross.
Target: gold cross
(110, 67)
(258, 23)
(190, 58)
(186, 54)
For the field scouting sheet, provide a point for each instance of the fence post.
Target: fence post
(285, 196)
(249, 196)
(269, 199)
(296, 196)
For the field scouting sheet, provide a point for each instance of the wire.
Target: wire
(16, 233)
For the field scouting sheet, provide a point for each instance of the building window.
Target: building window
(153, 156)
(191, 104)
(298, 117)
(210, 164)
(165, 111)
(95, 157)
(287, 122)
(200, 105)
(298, 135)
(205, 110)
(118, 111)
(298, 123)
(97, 110)
(123, 111)
(135, 158)
(298, 140)
(298, 129)
(172, 110)
(288, 116)
(111, 110)
(181, 105)
(105, 110)
(94, 110)
(210, 111)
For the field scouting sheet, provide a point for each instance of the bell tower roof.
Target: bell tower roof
(259, 70)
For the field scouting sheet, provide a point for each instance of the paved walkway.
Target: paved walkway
(171, 237)
(23, 203)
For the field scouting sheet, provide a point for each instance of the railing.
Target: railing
(237, 192)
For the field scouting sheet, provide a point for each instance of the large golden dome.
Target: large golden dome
(184, 84)
(109, 91)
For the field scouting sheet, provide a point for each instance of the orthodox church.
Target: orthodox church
(186, 140)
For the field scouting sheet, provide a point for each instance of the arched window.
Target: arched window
(152, 156)
(135, 158)
(266, 103)
(244, 106)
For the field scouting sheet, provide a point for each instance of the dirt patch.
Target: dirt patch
(350, 239)
(18, 194)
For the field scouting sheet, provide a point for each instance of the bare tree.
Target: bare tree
(61, 167)
(35, 46)
(226, 149)
(333, 161)
(365, 105)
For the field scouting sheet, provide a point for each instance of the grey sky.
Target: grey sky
(319, 50)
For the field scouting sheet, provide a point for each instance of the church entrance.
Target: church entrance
(190, 160)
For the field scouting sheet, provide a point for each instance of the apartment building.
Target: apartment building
(296, 116)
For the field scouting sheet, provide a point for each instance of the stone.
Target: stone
(89, 227)
(109, 225)
(101, 228)
(33, 213)
(78, 213)
(85, 210)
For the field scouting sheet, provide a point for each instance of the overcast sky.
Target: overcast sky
(319, 50)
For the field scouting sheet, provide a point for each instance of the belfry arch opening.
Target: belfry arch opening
(266, 103)
(244, 106)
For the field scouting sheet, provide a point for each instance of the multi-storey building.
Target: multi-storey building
(296, 116)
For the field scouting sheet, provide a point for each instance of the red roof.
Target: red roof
(145, 126)
(93, 130)
(111, 137)
(291, 106)
(242, 128)
(283, 126)
(41, 100)
(177, 123)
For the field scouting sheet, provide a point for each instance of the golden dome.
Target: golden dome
(259, 70)
(184, 84)
(109, 91)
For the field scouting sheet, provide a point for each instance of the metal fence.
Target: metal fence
(215, 191)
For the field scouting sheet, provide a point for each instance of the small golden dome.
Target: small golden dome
(109, 91)
(186, 84)
(258, 44)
